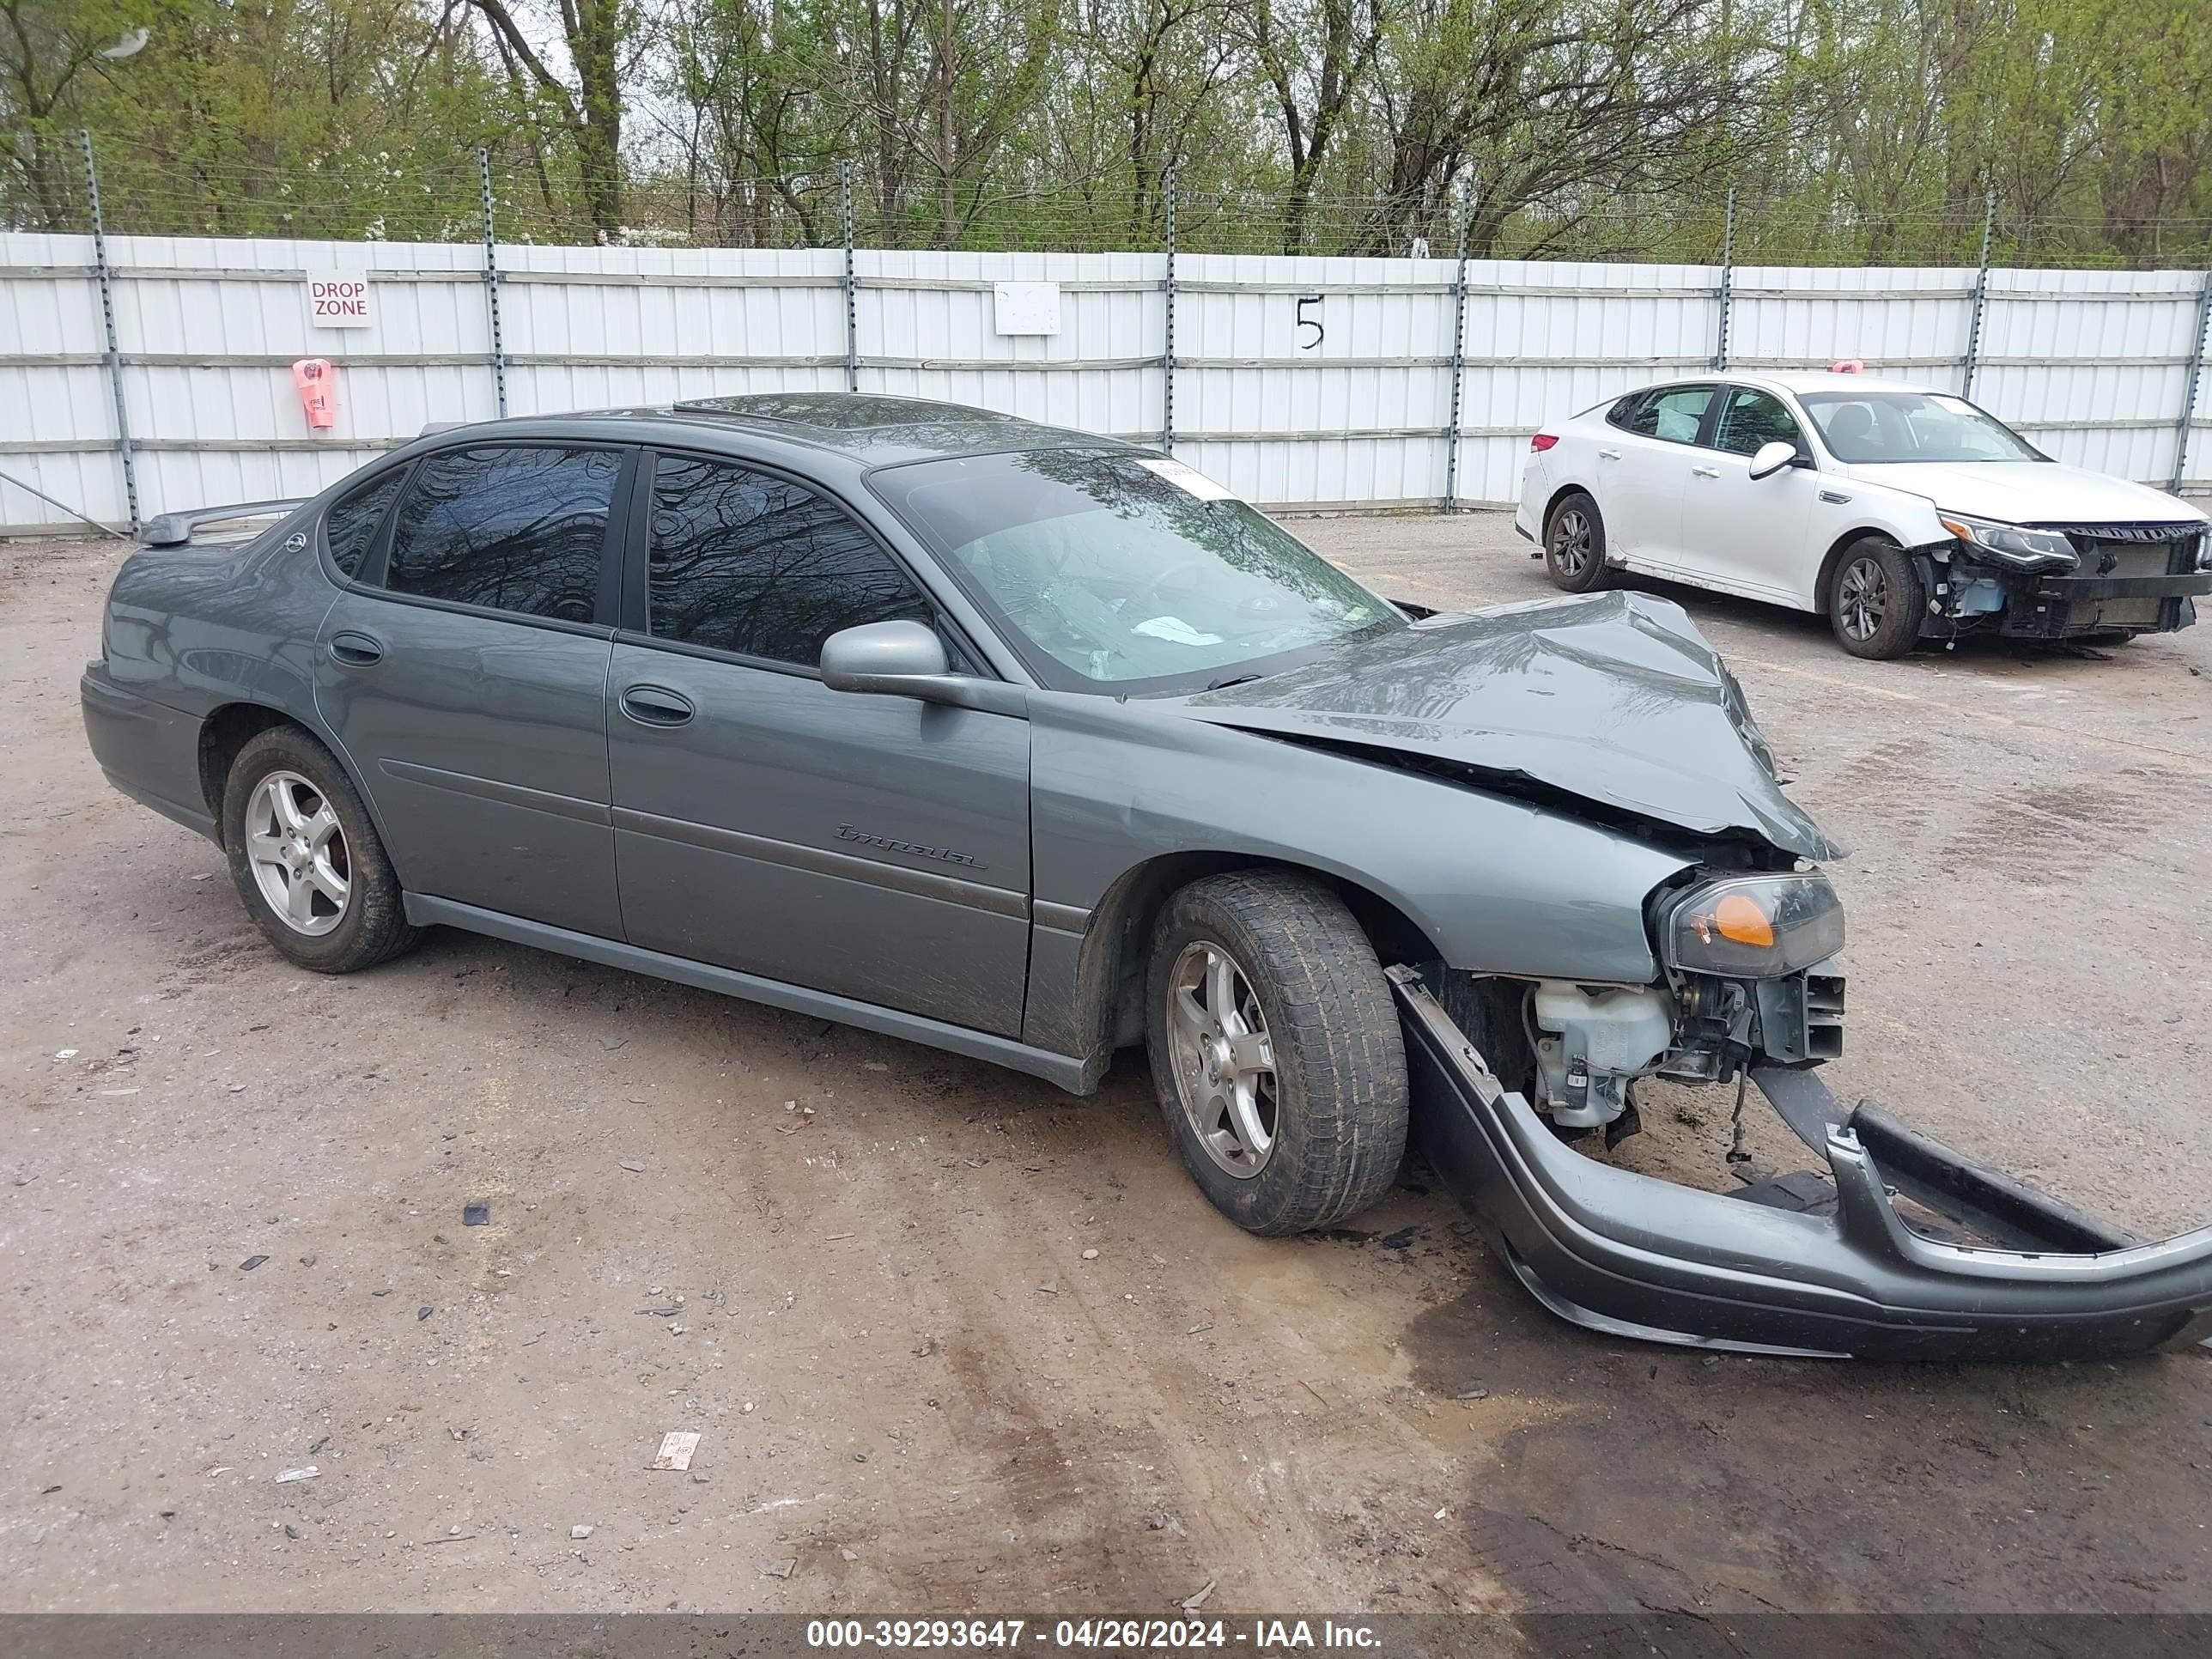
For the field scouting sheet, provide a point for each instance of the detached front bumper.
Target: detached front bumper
(1633, 1255)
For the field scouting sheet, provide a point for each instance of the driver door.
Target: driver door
(1747, 535)
(873, 847)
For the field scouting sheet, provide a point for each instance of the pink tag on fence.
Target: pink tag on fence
(317, 383)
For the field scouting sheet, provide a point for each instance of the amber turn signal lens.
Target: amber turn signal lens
(1738, 918)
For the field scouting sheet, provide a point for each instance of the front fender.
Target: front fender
(1496, 886)
(1906, 519)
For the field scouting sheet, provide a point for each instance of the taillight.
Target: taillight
(1542, 442)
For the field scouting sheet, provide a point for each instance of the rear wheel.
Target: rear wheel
(1574, 545)
(1275, 1049)
(1876, 599)
(306, 859)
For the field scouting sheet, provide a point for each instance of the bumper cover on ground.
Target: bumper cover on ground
(1633, 1255)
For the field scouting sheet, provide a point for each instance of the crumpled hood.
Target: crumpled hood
(2031, 492)
(1611, 697)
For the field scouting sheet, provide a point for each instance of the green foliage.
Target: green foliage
(1857, 131)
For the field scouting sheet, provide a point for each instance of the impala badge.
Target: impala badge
(893, 844)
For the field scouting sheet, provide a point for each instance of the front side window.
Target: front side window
(355, 518)
(1673, 414)
(1126, 571)
(747, 562)
(1868, 427)
(519, 529)
(1751, 418)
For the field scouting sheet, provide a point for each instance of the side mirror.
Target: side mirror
(907, 659)
(862, 659)
(1772, 459)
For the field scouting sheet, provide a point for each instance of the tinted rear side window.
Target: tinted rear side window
(747, 562)
(518, 529)
(1673, 414)
(353, 518)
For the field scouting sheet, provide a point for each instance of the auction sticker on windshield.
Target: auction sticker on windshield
(1185, 478)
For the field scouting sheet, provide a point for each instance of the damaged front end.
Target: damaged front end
(2055, 581)
(1824, 1265)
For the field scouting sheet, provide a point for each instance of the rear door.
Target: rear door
(873, 847)
(465, 673)
(1749, 535)
(1646, 461)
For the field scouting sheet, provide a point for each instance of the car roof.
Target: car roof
(867, 428)
(1796, 381)
(1803, 381)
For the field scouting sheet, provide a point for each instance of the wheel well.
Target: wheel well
(223, 733)
(1112, 977)
(1552, 505)
(1848, 539)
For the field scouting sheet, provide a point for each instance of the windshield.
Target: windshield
(1127, 570)
(1862, 427)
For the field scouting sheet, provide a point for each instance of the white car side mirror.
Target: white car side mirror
(1772, 459)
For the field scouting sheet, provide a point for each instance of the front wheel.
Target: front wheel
(1876, 599)
(1275, 1049)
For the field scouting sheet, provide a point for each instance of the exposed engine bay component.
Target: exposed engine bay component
(1590, 1043)
(1822, 1265)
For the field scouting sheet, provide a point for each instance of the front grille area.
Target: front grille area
(2110, 554)
(2134, 550)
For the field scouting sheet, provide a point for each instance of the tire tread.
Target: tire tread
(1332, 1017)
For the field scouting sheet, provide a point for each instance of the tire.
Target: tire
(1876, 599)
(1574, 545)
(1307, 984)
(334, 932)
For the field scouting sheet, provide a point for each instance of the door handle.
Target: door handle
(357, 650)
(656, 705)
(1608, 454)
(1705, 472)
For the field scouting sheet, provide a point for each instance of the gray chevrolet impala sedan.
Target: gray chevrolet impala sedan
(1034, 746)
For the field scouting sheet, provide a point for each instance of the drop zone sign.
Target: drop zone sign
(339, 299)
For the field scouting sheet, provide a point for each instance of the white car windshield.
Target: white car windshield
(1126, 569)
(1872, 426)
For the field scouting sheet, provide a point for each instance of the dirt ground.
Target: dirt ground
(859, 1270)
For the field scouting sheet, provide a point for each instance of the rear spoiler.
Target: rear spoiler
(176, 529)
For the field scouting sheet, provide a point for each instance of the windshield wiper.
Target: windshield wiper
(1228, 680)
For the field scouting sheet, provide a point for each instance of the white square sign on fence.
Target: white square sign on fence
(340, 299)
(1027, 308)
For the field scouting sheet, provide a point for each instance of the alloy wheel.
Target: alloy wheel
(1862, 597)
(1225, 1061)
(1570, 543)
(297, 851)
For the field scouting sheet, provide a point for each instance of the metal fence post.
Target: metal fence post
(2196, 380)
(491, 285)
(1728, 282)
(1458, 366)
(114, 356)
(852, 300)
(1981, 296)
(1167, 349)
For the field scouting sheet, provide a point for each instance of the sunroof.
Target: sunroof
(842, 411)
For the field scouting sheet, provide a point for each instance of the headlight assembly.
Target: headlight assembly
(2042, 551)
(1754, 927)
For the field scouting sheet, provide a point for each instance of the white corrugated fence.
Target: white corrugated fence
(1295, 381)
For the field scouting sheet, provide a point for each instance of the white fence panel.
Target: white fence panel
(1296, 381)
